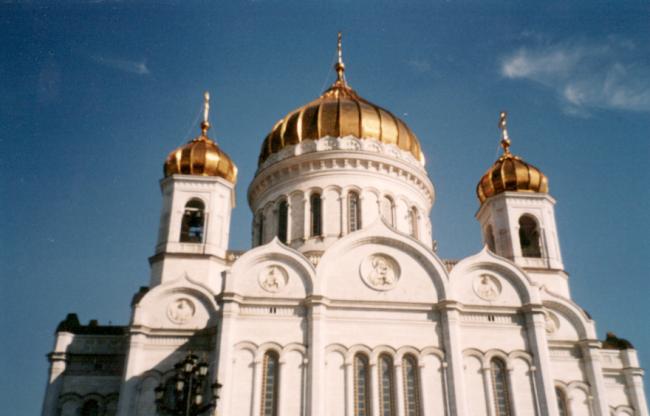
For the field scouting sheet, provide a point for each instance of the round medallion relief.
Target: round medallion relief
(380, 272)
(487, 287)
(180, 310)
(273, 278)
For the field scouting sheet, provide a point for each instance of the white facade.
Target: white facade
(363, 285)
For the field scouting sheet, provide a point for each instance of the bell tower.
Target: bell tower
(517, 214)
(198, 197)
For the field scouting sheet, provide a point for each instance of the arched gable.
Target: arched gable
(352, 268)
(566, 320)
(487, 279)
(182, 303)
(272, 270)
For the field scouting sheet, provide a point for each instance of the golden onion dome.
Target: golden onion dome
(340, 112)
(510, 173)
(201, 156)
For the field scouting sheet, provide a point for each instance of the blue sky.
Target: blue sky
(93, 95)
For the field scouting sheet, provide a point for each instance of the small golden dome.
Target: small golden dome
(201, 156)
(340, 112)
(510, 173)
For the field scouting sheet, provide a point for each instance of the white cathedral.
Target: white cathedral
(342, 307)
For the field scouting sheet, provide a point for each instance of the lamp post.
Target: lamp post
(184, 394)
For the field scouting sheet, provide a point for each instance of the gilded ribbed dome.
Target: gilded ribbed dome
(201, 156)
(340, 112)
(510, 173)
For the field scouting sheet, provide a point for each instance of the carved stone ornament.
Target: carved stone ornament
(273, 278)
(552, 322)
(380, 272)
(487, 287)
(181, 310)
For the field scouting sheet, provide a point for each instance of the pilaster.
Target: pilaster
(544, 381)
(594, 372)
(450, 319)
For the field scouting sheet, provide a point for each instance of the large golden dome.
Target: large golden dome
(340, 112)
(510, 173)
(201, 156)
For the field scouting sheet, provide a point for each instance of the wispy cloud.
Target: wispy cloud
(613, 74)
(124, 65)
(419, 65)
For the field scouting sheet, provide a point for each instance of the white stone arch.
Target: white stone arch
(581, 322)
(152, 310)
(381, 234)
(266, 347)
(407, 350)
(432, 351)
(538, 226)
(357, 349)
(246, 346)
(476, 353)
(521, 354)
(498, 354)
(339, 348)
(380, 350)
(487, 261)
(272, 251)
(294, 346)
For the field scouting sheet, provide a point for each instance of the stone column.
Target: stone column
(307, 217)
(487, 389)
(316, 321)
(229, 312)
(374, 388)
(423, 392)
(511, 389)
(536, 331)
(349, 389)
(399, 388)
(594, 372)
(257, 385)
(131, 379)
(57, 367)
(450, 322)
(282, 382)
(634, 381)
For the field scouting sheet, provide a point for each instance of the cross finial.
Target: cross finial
(205, 125)
(340, 66)
(505, 140)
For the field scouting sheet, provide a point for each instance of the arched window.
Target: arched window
(386, 386)
(260, 228)
(361, 386)
(500, 388)
(529, 237)
(270, 384)
(489, 238)
(563, 408)
(354, 212)
(90, 408)
(193, 222)
(411, 386)
(388, 210)
(283, 217)
(413, 222)
(316, 214)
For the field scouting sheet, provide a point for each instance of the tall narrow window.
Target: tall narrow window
(361, 386)
(388, 210)
(90, 408)
(500, 387)
(489, 238)
(193, 222)
(529, 237)
(413, 222)
(316, 209)
(354, 212)
(270, 385)
(283, 216)
(411, 386)
(386, 386)
(563, 409)
(260, 229)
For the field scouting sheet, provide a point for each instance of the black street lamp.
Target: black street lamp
(184, 394)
